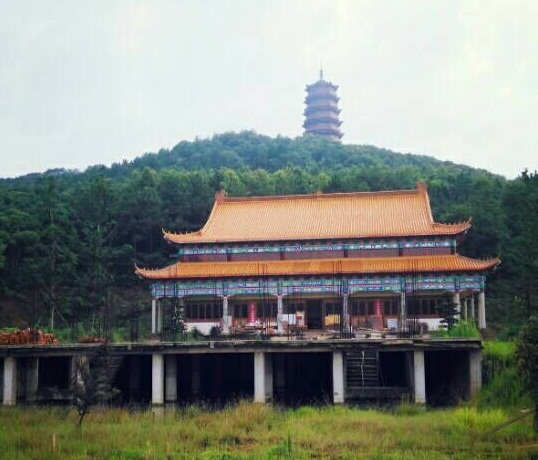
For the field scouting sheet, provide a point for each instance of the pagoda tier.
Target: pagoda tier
(313, 110)
(321, 122)
(325, 97)
(322, 116)
(325, 131)
(322, 110)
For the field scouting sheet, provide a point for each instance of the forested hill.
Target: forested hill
(254, 151)
(69, 240)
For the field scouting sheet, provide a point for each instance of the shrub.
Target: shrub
(464, 328)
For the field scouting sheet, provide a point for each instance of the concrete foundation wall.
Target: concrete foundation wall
(291, 372)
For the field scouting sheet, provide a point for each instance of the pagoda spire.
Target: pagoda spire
(322, 112)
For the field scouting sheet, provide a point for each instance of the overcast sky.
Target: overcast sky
(97, 82)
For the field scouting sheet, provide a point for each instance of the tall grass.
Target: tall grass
(251, 431)
(501, 378)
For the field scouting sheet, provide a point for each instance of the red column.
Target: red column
(378, 307)
(252, 314)
(377, 318)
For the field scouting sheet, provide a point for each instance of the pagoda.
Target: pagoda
(339, 262)
(321, 113)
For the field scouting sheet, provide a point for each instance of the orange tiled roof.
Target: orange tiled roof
(319, 216)
(381, 265)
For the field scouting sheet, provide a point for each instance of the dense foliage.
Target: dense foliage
(69, 240)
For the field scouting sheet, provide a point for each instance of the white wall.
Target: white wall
(203, 327)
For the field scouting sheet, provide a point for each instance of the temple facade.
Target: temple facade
(322, 112)
(339, 264)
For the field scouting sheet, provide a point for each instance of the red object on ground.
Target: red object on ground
(27, 336)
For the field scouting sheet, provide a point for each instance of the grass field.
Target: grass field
(250, 431)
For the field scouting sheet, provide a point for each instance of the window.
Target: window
(422, 306)
(203, 310)
(293, 307)
(266, 310)
(240, 310)
(333, 307)
(362, 307)
(391, 307)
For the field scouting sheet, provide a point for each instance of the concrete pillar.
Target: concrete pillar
(10, 381)
(473, 313)
(403, 312)
(263, 377)
(154, 316)
(279, 314)
(457, 303)
(345, 312)
(170, 380)
(157, 378)
(338, 378)
(195, 375)
(226, 323)
(32, 379)
(466, 309)
(475, 372)
(419, 376)
(160, 316)
(481, 310)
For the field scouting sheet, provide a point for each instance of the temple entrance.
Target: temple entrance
(314, 314)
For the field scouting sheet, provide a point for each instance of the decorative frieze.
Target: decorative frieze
(314, 285)
(358, 245)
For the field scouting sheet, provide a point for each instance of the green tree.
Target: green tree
(56, 260)
(104, 261)
(520, 255)
(447, 310)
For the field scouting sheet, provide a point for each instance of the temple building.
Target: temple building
(316, 298)
(321, 113)
(339, 263)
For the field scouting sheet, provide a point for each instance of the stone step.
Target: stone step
(362, 369)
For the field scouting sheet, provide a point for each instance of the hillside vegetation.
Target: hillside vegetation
(69, 240)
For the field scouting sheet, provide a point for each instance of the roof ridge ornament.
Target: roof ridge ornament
(422, 186)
